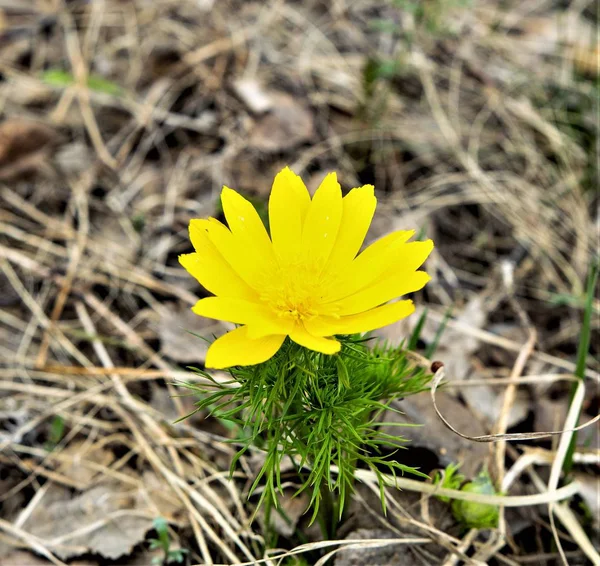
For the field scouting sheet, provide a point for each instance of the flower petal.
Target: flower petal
(236, 349)
(383, 291)
(266, 326)
(409, 256)
(247, 227)
(368, 266)
(378, 251)
(239, 311)
(238, 253)
(288, 205)
(261, 319)
(361, 322)
(324, 345)
(358, 209)
(322, 221)
(212, 272)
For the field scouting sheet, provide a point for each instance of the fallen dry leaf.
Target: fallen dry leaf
(175, 327)
(105, 520)
(80, 452)
(487, 402)
(287, 125)
(25, 146)
(433, 434)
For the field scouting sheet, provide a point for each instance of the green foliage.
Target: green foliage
(477, 515)
(418, 329)
(416, 333)
(432, 348)
(470, 514)
(57, 431)
(57, 77)
(450, 478)
(138, 221)
(320, 411)
(582, 351)
(163, 542)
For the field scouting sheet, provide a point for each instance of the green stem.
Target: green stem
(269, 531)
(328, 513)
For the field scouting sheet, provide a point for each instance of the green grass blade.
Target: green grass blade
(416, 333)
(438, 335)
(582, 352)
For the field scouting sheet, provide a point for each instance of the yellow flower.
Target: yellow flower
(306, 280)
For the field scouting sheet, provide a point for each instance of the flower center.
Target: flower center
(295, 291)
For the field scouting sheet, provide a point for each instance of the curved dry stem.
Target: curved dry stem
(439, 376)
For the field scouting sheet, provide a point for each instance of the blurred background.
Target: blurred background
(477, 122)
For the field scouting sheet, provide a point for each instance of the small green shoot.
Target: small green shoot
(138, 221)
(413, 341)
(60, 78)
(416, 333)
(450, 478)
(163, 542)
(468, 513)
(431, 348)
(56, 433)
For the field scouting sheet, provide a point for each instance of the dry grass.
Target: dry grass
(482, 140)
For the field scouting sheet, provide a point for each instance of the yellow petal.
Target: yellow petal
(215, 274)
(409, 256)
(236, 349)
(239, 254)
(378, 251)
(382, 291)
(270, 325)
(368, 266)
(324, 345)
(357, 213)
(260, 319)
(247, 227)
(288, 205)
(384, 266)
(361, 322)
(239, 311)
(322, 221)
